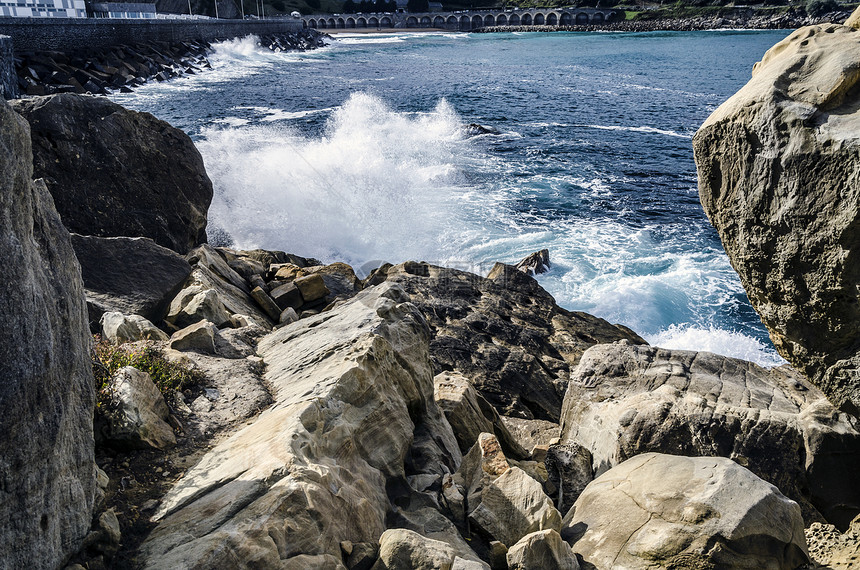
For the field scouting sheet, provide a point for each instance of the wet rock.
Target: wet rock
(506, 334)
(115, 172)
(624, 400)
(535, 263)
(540, 550)
(129, 275)
(47, 396)
(777, 179)
(118, 328)
(137, 413)
(693, 512)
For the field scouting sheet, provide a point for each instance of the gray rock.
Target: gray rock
(667, 511)
(288, 316)
(212, 259)
(401, 549)
(137, 413)
(542, 550)
(339, 279)
(194, 304)
(236, 301)
(624, 400)
(115, 172)
(118, 328)
(506, 335)
(777, 178)
(512, 506)
(532, 433)
(48, 472)
(287, 296)
(470, 414)
(109, 524)
(129, 275)
(535, 263)
(353, 383)
(266, 303)
(199, 337)
(569, 469)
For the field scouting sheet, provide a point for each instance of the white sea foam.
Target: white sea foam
(718, 341)
(643, 129)
(268, 114)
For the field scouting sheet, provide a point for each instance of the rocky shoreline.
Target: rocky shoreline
(261, 409)
(122, 68)
(729, 20)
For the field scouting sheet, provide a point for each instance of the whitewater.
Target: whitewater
(357, 152)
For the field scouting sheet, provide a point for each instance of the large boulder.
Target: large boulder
(352, 388)
(667, 511)
(777, 168)
(541, 550)
(624, 400)
(505, 334)
(136, 412)
(402, 549)
(129, 276)
(115, 172)
(47, 395)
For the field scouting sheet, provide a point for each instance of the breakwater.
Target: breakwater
(8, 80)
(71, 34)
(123, 67)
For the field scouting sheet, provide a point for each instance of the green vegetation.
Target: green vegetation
(108, 358)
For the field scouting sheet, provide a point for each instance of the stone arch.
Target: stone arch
(350, 22)
(514, 20)
(477, 22)
(361, 23)
(453, 23)
(438, 22)
(411, 22)
(539, 19)
(304, 24)
(385, 22)
(581, 19)
(489, 20)
(465, 23)
(312, 23)
(373, 22)
(565, 19)
(501, 20)
(526, 20)
(426, 22)
(552, 19)
(331, 23)
(597, 18)
(340, 23)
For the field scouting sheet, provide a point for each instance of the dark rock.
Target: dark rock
(287, 295)
(505, 334)
(535, 263)
(47, 471)
(266, 303)
(129, 275)
(115, 172)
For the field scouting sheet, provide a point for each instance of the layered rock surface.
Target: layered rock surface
(352, 390)
(116, 172)
(624, 400)
(665, 511)
(47, 470)
(778, 178)
(505, 334)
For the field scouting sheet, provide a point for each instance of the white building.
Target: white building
(43, 8)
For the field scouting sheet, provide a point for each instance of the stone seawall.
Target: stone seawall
(69, 34)
(8, 80)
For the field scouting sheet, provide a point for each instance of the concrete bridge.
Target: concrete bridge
(466, 20)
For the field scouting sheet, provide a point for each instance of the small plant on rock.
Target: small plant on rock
(108, 358)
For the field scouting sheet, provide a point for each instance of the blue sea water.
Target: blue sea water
(357, 152)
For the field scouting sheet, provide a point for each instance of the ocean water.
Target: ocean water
(358, 152)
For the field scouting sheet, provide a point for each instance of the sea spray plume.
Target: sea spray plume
(377, 183)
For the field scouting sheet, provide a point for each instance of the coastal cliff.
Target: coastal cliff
(258, 408)
(777, 167)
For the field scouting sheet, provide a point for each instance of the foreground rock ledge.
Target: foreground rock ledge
(778, 178)
(47, 469)
(353, 416)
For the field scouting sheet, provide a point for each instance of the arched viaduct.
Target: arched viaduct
(465, 21)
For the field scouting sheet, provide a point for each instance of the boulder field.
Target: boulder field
(260, 409)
